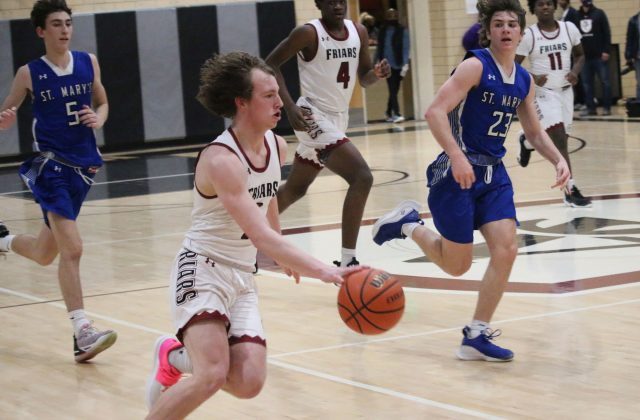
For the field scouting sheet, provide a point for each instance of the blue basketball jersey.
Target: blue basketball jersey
(57, 99)
(481, 122)
(486, 114)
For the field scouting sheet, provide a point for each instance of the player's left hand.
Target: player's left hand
(344, 272)
(572, 78)
(289, 272)
(382, 69)
(562, 174)
(88, 117)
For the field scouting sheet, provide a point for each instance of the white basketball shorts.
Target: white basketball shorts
(326, 130)
(555, 106)
(201, 288)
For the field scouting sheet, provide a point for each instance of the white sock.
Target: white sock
(347, 256)
(78, 320)
(571, 184)
(408, 228)
(526, 142)
(179, 359)
(5, 243)
(476, 327)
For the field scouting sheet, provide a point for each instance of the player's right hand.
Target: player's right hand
(462, 171)
(8, 117)
(540, 79)
(336, 275)
(296, 118)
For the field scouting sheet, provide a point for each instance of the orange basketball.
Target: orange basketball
(370, 301)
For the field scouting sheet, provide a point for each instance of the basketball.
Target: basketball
(370, 301)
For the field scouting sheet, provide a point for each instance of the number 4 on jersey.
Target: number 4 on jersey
(343, 74)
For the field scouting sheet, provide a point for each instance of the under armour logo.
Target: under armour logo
(492, 77)
(57, 168)
(42, 76)
(249, 171)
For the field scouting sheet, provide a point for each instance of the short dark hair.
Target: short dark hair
(43, 8)
(225, 77)
(486, 10)
(532, 5)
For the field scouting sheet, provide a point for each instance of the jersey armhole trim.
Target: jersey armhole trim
(277, 146)
(533, 40)
(205, 196)
(301, 55)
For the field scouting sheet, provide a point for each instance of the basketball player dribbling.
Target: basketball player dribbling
(330, 54)
(69, 102)
(469, 185)
(214, 297)
(550, 44)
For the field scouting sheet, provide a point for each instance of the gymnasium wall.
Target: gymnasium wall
(150, 61)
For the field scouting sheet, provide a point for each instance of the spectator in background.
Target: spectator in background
(632, 49)
(568, 13)
(596, 41)
(393, 45)
(369, 22)
(471, 38)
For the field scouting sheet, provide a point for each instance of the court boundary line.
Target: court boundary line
(273, 360)
(384, 391)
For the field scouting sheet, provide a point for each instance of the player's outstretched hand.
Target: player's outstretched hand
(382, 69)
(336, 275)
(7, 117)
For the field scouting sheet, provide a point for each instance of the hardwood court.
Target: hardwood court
(571, 315)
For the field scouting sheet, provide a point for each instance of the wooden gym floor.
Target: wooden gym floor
(571, 313)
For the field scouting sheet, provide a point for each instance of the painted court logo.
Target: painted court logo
(560, 250)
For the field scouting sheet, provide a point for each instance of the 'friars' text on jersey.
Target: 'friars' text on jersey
(264, 190)
(333, 53)
(553, 48)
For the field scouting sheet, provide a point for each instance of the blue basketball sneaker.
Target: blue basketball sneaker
(389, 226)
(481, 347)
